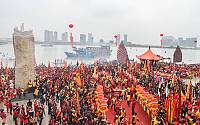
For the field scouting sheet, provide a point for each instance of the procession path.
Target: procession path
(144, 119)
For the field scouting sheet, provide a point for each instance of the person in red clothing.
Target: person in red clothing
(35, 105)
(10, 106)
(15, 116)
(6, 103)
(64, 120)
(25, 119)
(21, 118)
(3, 117)
(133, 106)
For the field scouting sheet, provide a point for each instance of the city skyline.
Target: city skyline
(141, 20)
(53, 36)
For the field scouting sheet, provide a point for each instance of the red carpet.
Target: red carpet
(141, 115)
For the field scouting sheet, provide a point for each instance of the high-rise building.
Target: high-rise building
(55, 36)
(101, 40)
(51, 38)
(82, 38)
(111, 41)
(90, 38)
(46, 36)
(125, 39)
(170, 41)
(118, 40)
(64, 37)
(188, 42)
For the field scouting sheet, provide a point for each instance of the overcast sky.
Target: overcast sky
(142, 20)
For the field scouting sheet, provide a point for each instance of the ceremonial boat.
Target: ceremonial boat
(89, 52)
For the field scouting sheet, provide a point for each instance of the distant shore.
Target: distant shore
(99, 44)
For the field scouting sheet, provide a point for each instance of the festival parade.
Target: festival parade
(75, 80)
(121, 92)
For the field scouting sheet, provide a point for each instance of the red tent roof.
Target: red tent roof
(149, 55)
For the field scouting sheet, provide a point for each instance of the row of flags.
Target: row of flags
(174, 102)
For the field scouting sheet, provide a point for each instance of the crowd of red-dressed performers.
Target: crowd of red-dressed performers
(70, 102)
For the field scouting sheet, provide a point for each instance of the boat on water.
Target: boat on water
(89, 52)
(5, 56)
(80, 53)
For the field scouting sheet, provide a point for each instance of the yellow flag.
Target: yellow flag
(189, 90)
(183, 97)
(78, 79)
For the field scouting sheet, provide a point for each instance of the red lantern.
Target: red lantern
(115, 36)
(161, 34)
(71, 25)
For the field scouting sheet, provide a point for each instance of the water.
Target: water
(46, 54)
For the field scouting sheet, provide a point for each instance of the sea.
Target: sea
(46, 54)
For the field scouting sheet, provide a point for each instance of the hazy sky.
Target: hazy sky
(142, 20)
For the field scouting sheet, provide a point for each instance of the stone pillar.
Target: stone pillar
(24, 49)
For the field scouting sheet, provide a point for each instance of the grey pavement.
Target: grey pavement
(10, 121)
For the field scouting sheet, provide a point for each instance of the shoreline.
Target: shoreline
(99, 44)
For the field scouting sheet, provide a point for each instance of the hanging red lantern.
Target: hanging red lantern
(71, 25)
(115, 36)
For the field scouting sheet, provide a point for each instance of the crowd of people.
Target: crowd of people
(69, 94)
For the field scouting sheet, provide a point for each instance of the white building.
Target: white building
(49, 36)
(64, 37)
(101, 40)
(125, 39)
(82, 38)
(170, 41)
(46, 36)
(55, 36)
(188, 42)
(90, 38)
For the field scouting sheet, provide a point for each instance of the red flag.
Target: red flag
(78, 79)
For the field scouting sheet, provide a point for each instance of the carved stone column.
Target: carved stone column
(24, 49)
